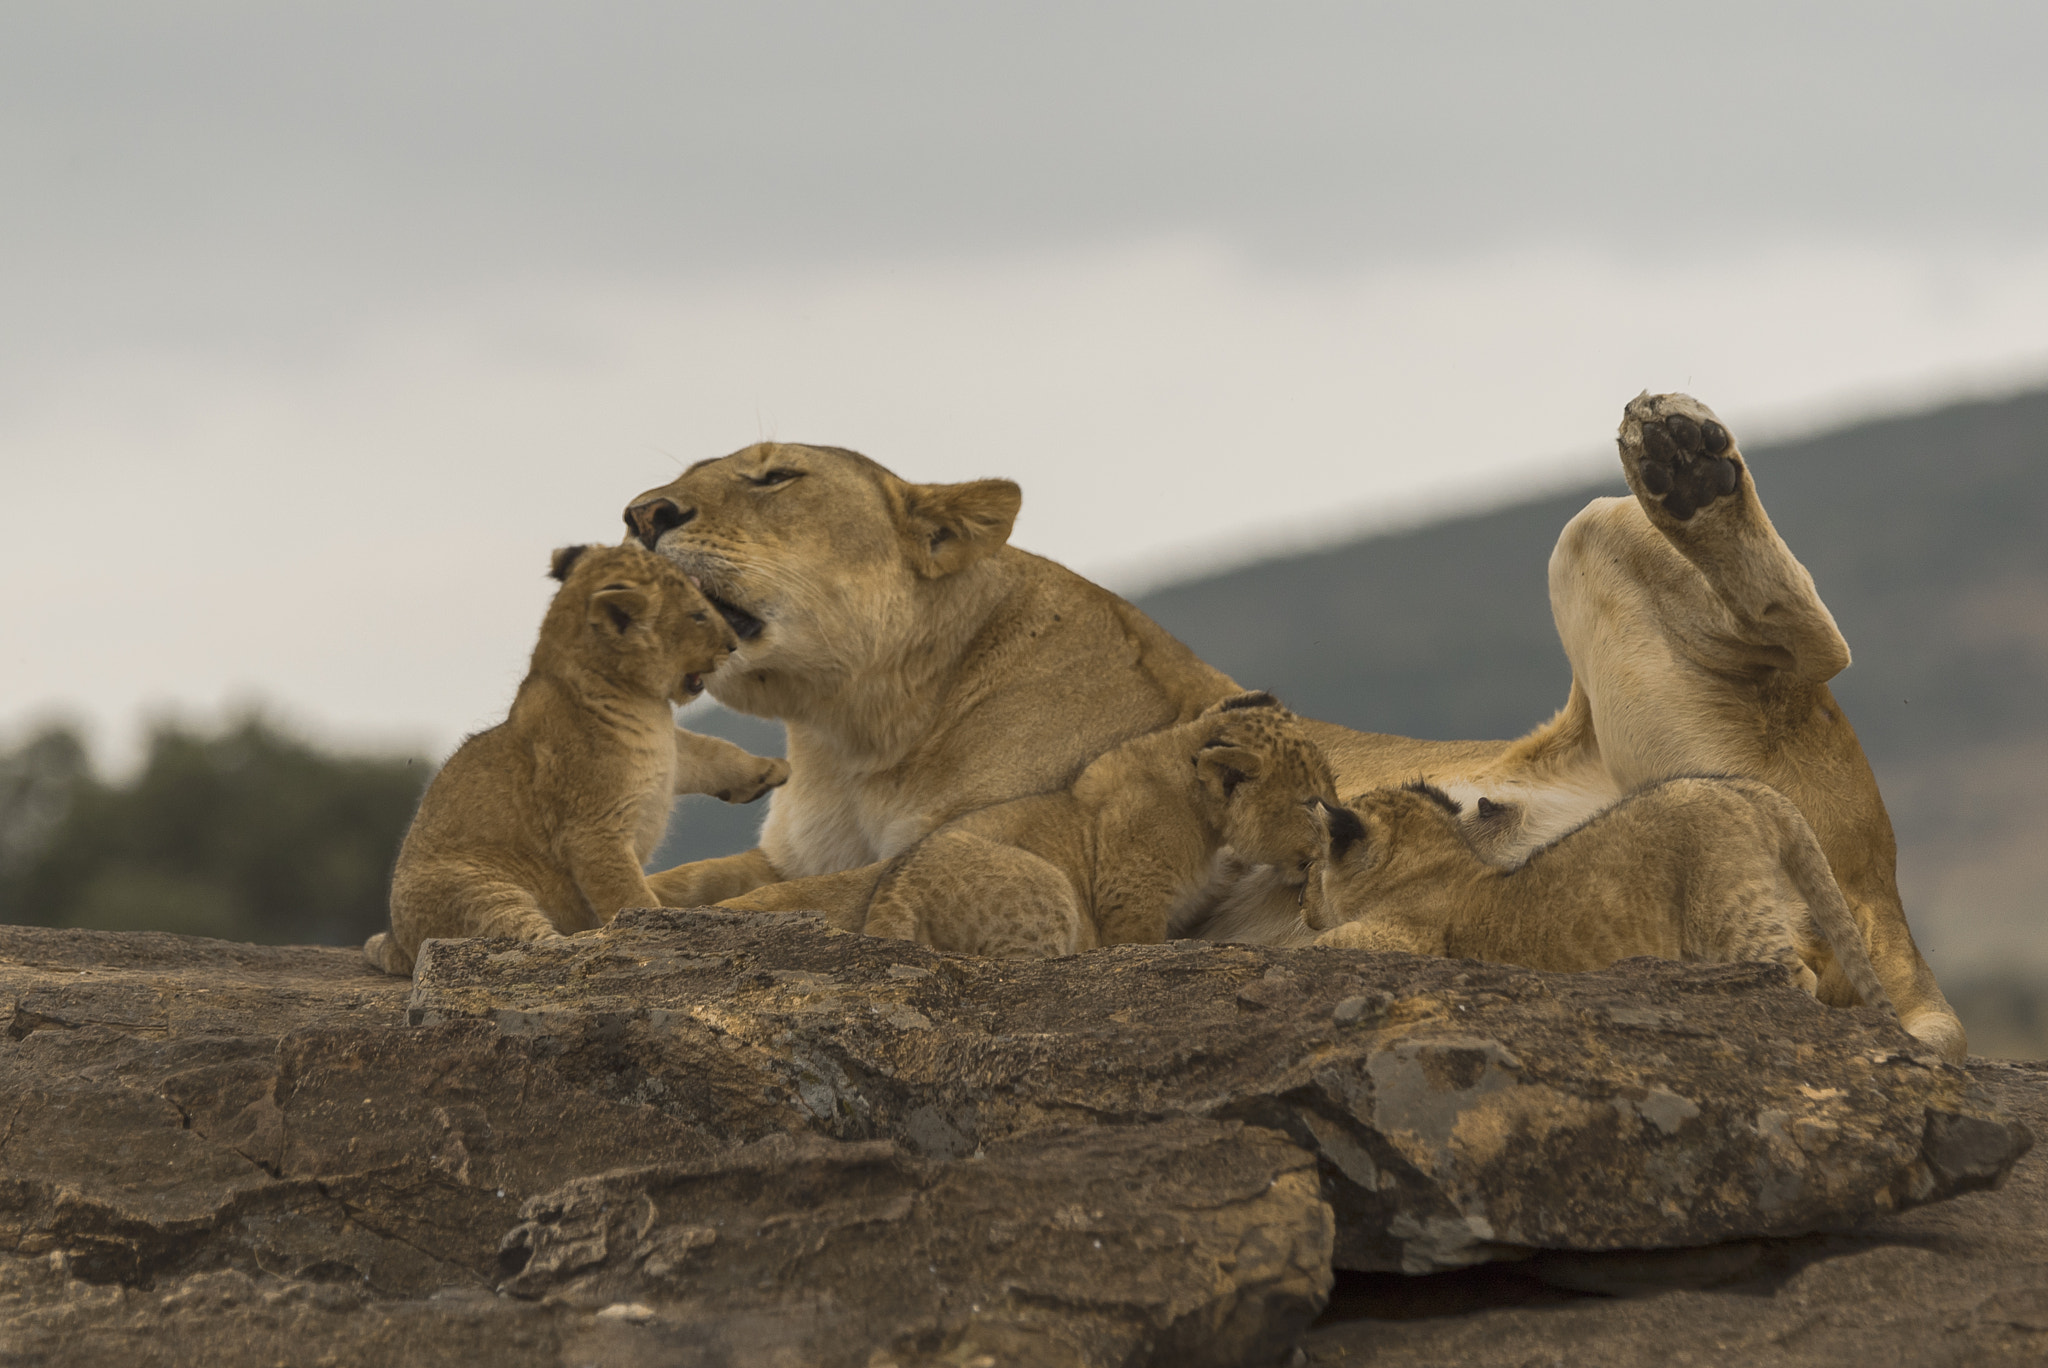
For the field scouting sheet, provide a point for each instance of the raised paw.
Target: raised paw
(1677, 455)
(773, 774)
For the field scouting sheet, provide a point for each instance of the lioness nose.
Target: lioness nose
(650, 519)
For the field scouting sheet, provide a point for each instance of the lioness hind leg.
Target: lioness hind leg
(1698, 647)
(1694, 487)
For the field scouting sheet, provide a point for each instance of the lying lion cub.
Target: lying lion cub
(539, 826)
(1690, 869)
(1105, 862)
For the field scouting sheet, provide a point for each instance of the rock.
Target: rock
(704, 1138)
(1956, 1282)
(1185, 1242)
(1458, 1112)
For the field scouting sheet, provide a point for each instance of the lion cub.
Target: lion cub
(1105, 862)
(539, 826)
(1689, 869)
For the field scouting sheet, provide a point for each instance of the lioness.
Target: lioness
(1106, 861)
(1692, 869)
(539, 826)
(925, 669)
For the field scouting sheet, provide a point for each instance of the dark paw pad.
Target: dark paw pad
(1682, 465)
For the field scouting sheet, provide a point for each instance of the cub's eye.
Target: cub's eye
(777, 476)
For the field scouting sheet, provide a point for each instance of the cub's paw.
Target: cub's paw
(1676, 455)
(387, 955)
(773, 774)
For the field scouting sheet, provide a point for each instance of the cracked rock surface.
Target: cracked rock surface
(707, 1138)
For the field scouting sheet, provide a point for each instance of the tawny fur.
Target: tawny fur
(1105, 861)
(539, 827)
(1702, 869)
(927, 669)
(1698, 645)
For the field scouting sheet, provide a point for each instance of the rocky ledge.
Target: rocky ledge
(704, 1138)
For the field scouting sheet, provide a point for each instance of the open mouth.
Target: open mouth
(744, 624)
(693, 684)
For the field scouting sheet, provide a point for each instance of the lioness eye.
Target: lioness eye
(774, 477)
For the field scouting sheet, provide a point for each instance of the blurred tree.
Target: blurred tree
(248, 834)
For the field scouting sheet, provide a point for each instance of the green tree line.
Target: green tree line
(246, 833)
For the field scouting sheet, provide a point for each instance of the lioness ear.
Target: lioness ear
(617, 609)
(564, 560)
(949, 527)
(1222, 768)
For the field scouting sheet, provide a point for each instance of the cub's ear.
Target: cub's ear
(564, 560)
(1341, 831)
(617, 609)
(948, 527)
(1222, 768)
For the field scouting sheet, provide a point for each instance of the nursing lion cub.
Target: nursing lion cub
(1689, 869)
(1107, 861)
(539, 826)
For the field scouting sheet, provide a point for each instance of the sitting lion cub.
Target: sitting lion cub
(1689, 869)
(539, 826)
(1105, 861)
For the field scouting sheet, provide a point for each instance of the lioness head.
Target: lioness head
(1264, 780)
(1377, 843)
(634, 618)
(827, 566)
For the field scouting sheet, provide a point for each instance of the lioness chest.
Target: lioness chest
(833, 816)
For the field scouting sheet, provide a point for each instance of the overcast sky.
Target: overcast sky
(321, 324)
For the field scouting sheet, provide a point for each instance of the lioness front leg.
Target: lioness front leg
(841, 899)
(713, 765)
(700, 883)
